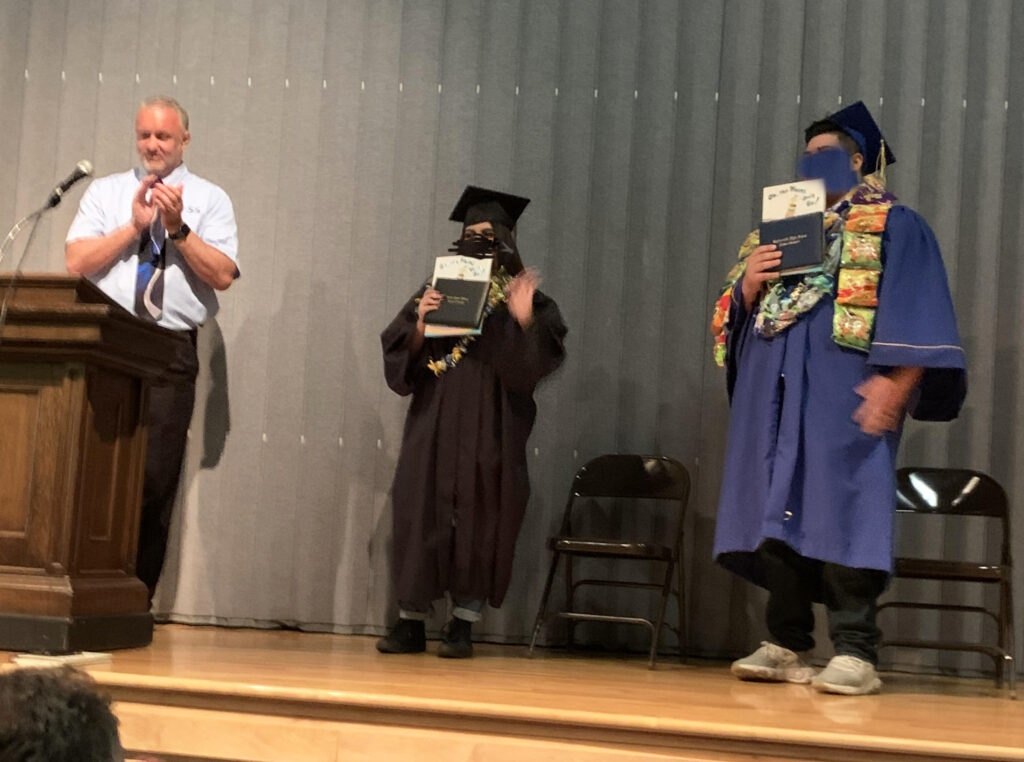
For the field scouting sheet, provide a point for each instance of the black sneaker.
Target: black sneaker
(456, 643)
(407, 637)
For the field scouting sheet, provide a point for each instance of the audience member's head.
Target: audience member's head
(55, 715)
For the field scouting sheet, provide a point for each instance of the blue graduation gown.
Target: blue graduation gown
(798, 468)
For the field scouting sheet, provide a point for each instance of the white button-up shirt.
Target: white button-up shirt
(107, 205)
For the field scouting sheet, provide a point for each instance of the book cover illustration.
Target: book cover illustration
(792, 199)
(464, 282)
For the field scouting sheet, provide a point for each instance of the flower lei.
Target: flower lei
(497, 294)
(784, 304)
(782, 308)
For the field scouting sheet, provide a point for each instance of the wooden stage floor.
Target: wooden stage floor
(204, 693)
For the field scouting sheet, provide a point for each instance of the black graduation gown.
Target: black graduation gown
(461, 483)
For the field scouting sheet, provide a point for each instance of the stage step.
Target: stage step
(205, 693)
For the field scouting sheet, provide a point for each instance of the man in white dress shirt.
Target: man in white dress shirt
(161, 242)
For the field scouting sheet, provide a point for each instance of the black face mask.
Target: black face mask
(475, 246)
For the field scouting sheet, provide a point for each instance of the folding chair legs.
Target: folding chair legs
(542, 611)
(570, 603)
(1009, 666)
(666, 592)
(1006, 673)
(681, 601)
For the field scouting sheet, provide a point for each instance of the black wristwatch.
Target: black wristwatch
(183, 231)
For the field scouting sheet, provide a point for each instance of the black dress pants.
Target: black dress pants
(850, 595)
(171, 400)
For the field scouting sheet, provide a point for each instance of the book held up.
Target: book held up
(464, 283)
(792, 218)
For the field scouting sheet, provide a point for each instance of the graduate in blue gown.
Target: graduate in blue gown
(822, 369)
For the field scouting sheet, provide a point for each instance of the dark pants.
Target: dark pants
(171, 400)
(850, 596)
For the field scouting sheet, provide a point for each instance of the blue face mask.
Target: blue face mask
(831, 165)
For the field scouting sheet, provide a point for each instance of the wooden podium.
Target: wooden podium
(74, 374)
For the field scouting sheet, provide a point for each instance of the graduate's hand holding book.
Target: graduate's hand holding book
(429, 302)
(459, 288)
(791, 218)
(762, 266)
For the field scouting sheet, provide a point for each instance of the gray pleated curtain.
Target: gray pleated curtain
(643, 130)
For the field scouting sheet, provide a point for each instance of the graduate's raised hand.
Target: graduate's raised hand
(429, 302)
(762, 266)
(520, 296)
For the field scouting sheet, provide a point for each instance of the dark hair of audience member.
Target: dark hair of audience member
(55, 715)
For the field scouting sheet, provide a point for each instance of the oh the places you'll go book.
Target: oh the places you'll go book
(792, 218)
(464, 283)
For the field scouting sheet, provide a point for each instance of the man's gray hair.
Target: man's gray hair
(165, 101)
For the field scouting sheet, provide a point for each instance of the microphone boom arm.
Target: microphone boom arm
(82, 169)
(34, 218)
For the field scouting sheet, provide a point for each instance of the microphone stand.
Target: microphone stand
(34, 218)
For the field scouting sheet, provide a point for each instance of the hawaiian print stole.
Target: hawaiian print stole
(785, 302)
(853, 233)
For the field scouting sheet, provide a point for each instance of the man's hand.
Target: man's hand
(520, 296)
(761, 266)
(885, 400)
(214, 267)
(143, 208)
(168, 200)
(86, 256)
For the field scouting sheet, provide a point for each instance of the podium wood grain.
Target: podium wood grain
(73, 373)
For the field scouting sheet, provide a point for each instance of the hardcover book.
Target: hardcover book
(800, 240)
(464, 283)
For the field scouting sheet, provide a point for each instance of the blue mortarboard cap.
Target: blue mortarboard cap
(858, 123)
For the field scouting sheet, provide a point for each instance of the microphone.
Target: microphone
(82, 169)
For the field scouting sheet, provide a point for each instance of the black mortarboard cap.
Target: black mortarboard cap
(858, 123)
(482, 205)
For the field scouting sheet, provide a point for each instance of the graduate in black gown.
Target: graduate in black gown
(461, 483)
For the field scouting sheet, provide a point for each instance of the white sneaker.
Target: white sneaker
(773, 664)
(849, 676)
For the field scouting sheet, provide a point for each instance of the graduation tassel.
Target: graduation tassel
(880, 168)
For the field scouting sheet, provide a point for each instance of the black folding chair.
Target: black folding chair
(627, 478)
(960, 492)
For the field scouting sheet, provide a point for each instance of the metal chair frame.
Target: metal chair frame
(978, 495)
(626, 477)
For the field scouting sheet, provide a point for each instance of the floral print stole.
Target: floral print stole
(853, 234)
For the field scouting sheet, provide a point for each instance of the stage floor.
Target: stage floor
(213, 693)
